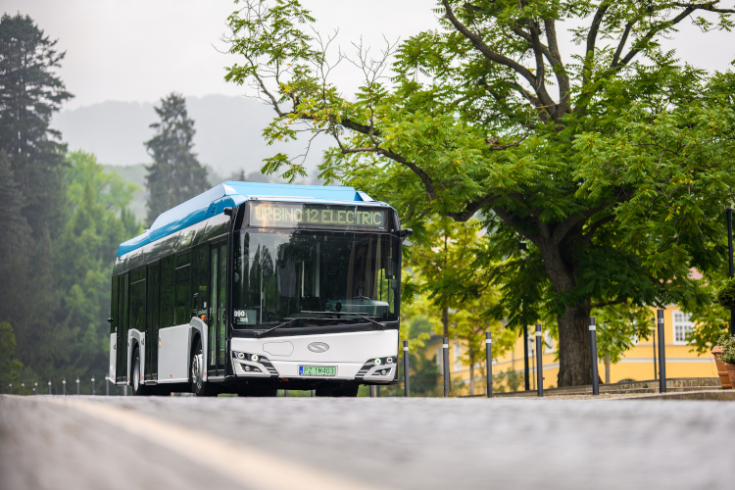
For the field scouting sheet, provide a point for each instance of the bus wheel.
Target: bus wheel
(198, 386)
(139, 388)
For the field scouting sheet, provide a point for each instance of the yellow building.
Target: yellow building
(636, 364)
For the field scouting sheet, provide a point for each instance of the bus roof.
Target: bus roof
(230, 194)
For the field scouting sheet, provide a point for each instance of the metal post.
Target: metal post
(377, 391)
(406, 377)
(445, 363)
(489, 363)
(661, 353)
(63, 383)
(731, 264)
(77, 385)
(22, 389)
(371, 391)
(285, 393)
(10, 388)
(107, 386)
(35, 387)
(93, 385)
(49, 387)
(313, 393)
(539, 360)
(593, 357)
(525, 358)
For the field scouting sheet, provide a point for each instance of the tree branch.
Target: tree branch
(485, 50)
(621, 44)
(592, 39)
(471, 208)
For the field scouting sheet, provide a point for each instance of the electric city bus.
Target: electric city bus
(249, 288)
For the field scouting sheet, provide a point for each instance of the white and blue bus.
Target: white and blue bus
(249, 288)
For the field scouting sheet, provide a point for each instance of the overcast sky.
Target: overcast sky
(139, 50)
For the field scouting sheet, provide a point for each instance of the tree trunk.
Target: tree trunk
(575, 367)
(607, 368)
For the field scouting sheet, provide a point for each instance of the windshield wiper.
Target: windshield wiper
(358, 315)
(284, 324)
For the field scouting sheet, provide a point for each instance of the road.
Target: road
(128, 443)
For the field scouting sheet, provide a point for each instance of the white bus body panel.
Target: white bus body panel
(173, 355)
(347, 351)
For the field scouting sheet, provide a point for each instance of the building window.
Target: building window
(682, 326)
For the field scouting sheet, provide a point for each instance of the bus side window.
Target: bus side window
(167, 292)
(183, 288)
(200, 280)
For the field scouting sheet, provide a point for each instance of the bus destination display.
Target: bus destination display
(297, 215)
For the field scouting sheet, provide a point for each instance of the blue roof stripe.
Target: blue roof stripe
(230, 194)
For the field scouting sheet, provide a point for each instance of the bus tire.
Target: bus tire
(139, 388)
(198, 386)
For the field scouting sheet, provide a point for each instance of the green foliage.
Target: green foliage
(619, 326)
(726, 295)
(508, 380)
(9, 366)
(725, 340)
(617, 183)
(175, 175)
(97, 221)
(728, 355)
(30, 94)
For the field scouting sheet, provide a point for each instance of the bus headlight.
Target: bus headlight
(240, 355)
(377, 361)
(255, 357)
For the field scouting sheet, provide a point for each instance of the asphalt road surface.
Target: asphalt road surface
(182, 443)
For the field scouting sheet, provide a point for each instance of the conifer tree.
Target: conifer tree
(30, 94)
(175, 175)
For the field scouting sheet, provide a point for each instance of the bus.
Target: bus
(249, 288)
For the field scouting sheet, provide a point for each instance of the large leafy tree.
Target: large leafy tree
(614, 165)
(175, 175)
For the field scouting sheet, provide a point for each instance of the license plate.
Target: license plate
(318, 370)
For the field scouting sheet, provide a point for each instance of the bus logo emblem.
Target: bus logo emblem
(318, 347)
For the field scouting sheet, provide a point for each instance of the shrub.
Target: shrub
(725, 340)
(726, 295)
(728, 356)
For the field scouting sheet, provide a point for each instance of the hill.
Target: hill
(228, 137)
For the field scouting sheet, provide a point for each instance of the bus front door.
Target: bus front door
(121, 369)
(217, 318)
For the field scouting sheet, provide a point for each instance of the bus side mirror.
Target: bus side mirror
(405, 233)
(228, 212)
(109, 319)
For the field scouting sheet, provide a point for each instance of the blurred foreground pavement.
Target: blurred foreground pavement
(128, 443)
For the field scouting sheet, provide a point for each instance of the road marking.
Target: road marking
(243, 464)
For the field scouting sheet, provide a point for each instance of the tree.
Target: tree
(175, 175)
(9, 366)
(97, 222)
(31, 202)
(30, 94)
(614, 182)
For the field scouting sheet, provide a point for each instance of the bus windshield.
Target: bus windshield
(292, 273)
